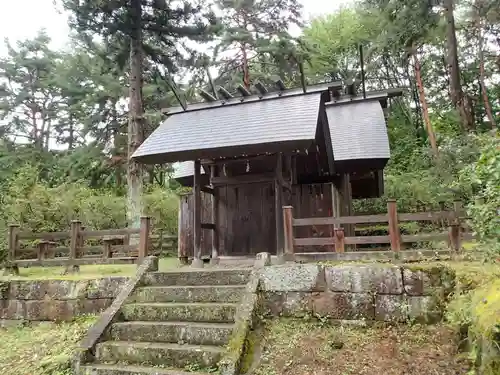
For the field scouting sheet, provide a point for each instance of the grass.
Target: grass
(44, 349)
(295, 347)
(86, 272)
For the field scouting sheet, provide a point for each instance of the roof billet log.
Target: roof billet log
(261, 88)
(207, 96)
(224, 93)
(248, 97)
(243, 91)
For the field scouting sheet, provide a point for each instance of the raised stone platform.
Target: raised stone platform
(56, 300)
(357, 292)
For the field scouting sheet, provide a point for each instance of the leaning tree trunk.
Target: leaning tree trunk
(457, 95)
(484, 91)
(423, 104)
(135, 122)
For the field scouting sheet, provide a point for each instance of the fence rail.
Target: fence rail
(453, 218)
(78, 246)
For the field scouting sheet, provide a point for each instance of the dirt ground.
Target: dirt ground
(300, 348)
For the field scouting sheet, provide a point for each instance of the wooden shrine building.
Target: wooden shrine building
(316, 148)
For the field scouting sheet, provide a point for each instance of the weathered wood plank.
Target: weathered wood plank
(60, 262)
(363, 219)
(424, 237)
(319, 241)
(366, 240)
(96, 234)
(49, 236)
(427, 216)
(244, 179)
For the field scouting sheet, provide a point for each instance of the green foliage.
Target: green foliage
(477, 312)
(483, 180)
(44, 349)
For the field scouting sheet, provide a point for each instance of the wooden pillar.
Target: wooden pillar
(144, 240)
(197, 262)
(339, 240)
(288, 232)
(277, 205)
(74, 246)
(215, 219)
(394, 234)
(345, 194)
(11, 267)
(181, 236)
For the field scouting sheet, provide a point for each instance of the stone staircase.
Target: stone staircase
(178, 323)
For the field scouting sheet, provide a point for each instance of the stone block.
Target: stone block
(423, 281)
(343, 306)
(62, 290)
(50, 310)
(293, 278)
(107, 287)
(47, 289)
(425, 309)
(296, 304)
(11, 309)
(381, 279)
(262, 260)
(391, 308)
(273, 303)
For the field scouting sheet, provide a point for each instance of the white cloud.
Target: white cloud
(21, 19)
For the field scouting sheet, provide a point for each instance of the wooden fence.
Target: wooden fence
(453, 219)
(79, 246)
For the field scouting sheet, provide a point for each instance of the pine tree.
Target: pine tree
(255, 38)
(136, 31)
(29, 97)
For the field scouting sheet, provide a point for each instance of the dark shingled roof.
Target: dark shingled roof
(254, 126)
(358, 130)
(276, 122)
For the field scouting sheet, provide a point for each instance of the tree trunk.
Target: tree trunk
(423, 104)
(117, 145)
(246, 73)
(456, 93)
(135, 123)
(482, 83)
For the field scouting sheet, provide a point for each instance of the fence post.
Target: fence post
(288, 232)
(394, 234)
(339, 240)
(13, 244)
(455, 240)
(75, 243)
(144, 238)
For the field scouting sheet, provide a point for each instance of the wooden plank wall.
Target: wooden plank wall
(186, 225)
(313, 201)
(247, 217)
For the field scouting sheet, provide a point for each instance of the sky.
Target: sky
(21, 19)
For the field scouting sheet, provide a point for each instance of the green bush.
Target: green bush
(35, 206)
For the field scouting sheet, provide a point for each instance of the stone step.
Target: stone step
(180, 312)
(156, 354)
(174, 332)
(198, 277)
(98, 369)
(197, 293)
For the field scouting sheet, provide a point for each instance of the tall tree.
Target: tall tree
(254, 32)
(140, 30)
(29, 98)
(459, 100)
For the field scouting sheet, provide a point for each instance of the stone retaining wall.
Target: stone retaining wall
(56, 300)
(357, 292)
